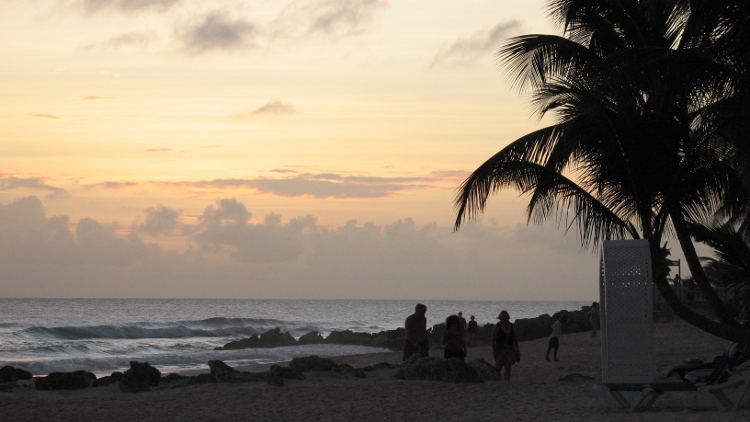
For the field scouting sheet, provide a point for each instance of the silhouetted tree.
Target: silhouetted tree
(650, 107)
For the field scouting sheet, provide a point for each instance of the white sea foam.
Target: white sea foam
(102, 336)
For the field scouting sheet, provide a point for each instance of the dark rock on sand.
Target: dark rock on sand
(484, 369)
(345, 368)
(173, 377)
(140, 377)
(379, 366)
(284, 372)
(312, 363)
(437, 369)
(575, 378)
(221, 370)
(108, 380)
(10, 374)
(65, 380)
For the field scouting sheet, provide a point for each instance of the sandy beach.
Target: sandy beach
(534, 394)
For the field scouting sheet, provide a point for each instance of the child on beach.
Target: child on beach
(554, 337)
(453, 339)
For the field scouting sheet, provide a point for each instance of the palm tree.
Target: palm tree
(642, 144)
(730, 241)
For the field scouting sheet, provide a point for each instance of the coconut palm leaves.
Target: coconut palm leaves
(642, 141)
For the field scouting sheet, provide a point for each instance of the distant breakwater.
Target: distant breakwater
(525, 328)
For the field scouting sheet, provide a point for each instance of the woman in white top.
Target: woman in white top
(554, 341)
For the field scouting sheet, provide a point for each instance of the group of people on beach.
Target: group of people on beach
(458, 333)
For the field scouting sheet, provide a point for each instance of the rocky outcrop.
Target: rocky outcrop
(275, 338)
(349, 337)
(11, 374)
(391, 339)
(108, 380)
(526, 329)
(312, 337)
(140, 377)
(437, 369)
(271, 338)
(65, 381)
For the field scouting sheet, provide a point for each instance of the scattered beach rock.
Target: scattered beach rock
(484, 369)
(65, 380)
(575, 378)
(10, 374)
(284, 372)
(379, 366)
(108, 380)
(140, 377)
(437, 369)
(312, 363)
(347, 369)
(221, 370)
(173, 377)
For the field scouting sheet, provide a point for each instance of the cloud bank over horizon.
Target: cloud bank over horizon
(225, 254)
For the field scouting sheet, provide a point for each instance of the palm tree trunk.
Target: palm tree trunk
(693, 318)
(693, 261)
(736, 334)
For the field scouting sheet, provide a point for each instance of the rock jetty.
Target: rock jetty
(526, 329)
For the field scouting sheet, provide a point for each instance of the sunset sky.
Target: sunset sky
(266, 149)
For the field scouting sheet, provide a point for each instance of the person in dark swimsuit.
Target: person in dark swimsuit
(505, 345)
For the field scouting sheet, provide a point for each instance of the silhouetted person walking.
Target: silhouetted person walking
(416, 332)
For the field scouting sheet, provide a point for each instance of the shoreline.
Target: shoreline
(535, 392)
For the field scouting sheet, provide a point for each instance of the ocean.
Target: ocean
(104, 335)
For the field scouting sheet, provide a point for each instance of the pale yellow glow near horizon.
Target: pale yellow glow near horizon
(113, 94)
